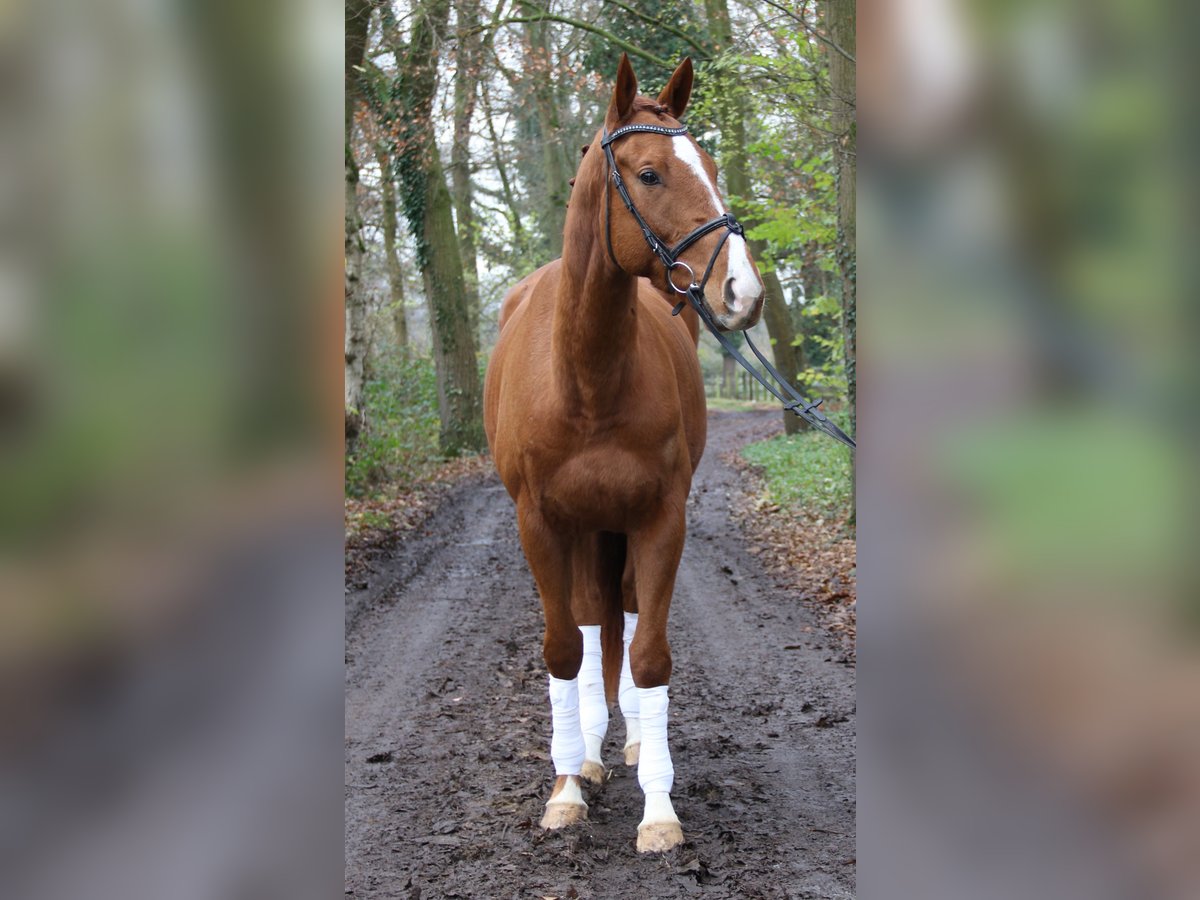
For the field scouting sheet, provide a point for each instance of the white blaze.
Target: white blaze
(746, 287)
(686, 150)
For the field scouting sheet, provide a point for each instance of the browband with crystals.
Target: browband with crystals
(652, 129)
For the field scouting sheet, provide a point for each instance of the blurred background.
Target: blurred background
(171, 459)
(1028, 595)
(170, 534)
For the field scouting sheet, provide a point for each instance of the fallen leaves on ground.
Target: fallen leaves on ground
(375, 524)
(808, 552)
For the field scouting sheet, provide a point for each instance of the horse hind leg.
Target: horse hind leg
(593, 709)
(597, 563)
(627, 691)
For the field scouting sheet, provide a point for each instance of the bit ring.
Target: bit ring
(691, 274)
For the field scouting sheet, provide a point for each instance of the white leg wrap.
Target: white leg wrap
(593, 708)
(566, 745)
(570, 794)
(628, 692)
(658, 809)
(655, 772)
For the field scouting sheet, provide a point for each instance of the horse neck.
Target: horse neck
(595, 318)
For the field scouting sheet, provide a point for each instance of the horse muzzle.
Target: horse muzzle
(741, 311)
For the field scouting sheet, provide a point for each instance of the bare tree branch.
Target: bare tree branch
(809, 29)
(701, 51)
(544, 16)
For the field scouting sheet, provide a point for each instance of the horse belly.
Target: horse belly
(610, 489)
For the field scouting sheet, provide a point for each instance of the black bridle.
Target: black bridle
(694, 292)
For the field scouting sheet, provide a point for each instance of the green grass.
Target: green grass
(728, 404)
(805, 471)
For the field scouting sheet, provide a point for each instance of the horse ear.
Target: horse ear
(623, 94)
(678, 91)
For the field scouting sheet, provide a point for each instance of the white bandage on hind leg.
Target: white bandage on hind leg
(627, 693)
(566, 744)
(593, 708)
(655, 772)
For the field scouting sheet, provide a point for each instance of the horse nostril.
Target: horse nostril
(731, 303)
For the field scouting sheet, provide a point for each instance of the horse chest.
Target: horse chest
(605, 484)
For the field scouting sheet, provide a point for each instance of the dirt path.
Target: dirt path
(447, 723)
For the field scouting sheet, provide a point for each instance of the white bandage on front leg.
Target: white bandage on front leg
(655, 772)
(658, 809)
(593, 708)
(566, 744)
(627, 694)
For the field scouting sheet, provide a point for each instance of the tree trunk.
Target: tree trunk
(460, 395)
(732, 110)
(391, 256)
(728, 376)
(781, 326)
(358, 15)
(812, 276)
(840, 26)
(554, 188)
(428, 207)
(466, 77)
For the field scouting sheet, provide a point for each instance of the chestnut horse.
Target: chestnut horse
(595, 415)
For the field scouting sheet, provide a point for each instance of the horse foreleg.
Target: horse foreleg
(548, 553)
(656, 551)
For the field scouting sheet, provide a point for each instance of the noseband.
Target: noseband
(694, 292)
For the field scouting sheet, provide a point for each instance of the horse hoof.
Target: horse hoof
(560, 815)
(658, 837)
(632, 753)
(592, 771)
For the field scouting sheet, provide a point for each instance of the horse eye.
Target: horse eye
(649, 177)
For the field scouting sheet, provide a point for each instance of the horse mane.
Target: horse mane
(645, 104)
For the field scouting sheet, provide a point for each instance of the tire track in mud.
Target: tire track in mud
(447, 722)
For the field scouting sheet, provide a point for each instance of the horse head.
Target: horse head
(669, 187)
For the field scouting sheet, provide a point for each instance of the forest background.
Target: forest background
(463, 124)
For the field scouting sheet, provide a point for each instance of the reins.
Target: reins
(694, 292)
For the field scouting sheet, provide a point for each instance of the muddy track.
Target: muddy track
(447, 722)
